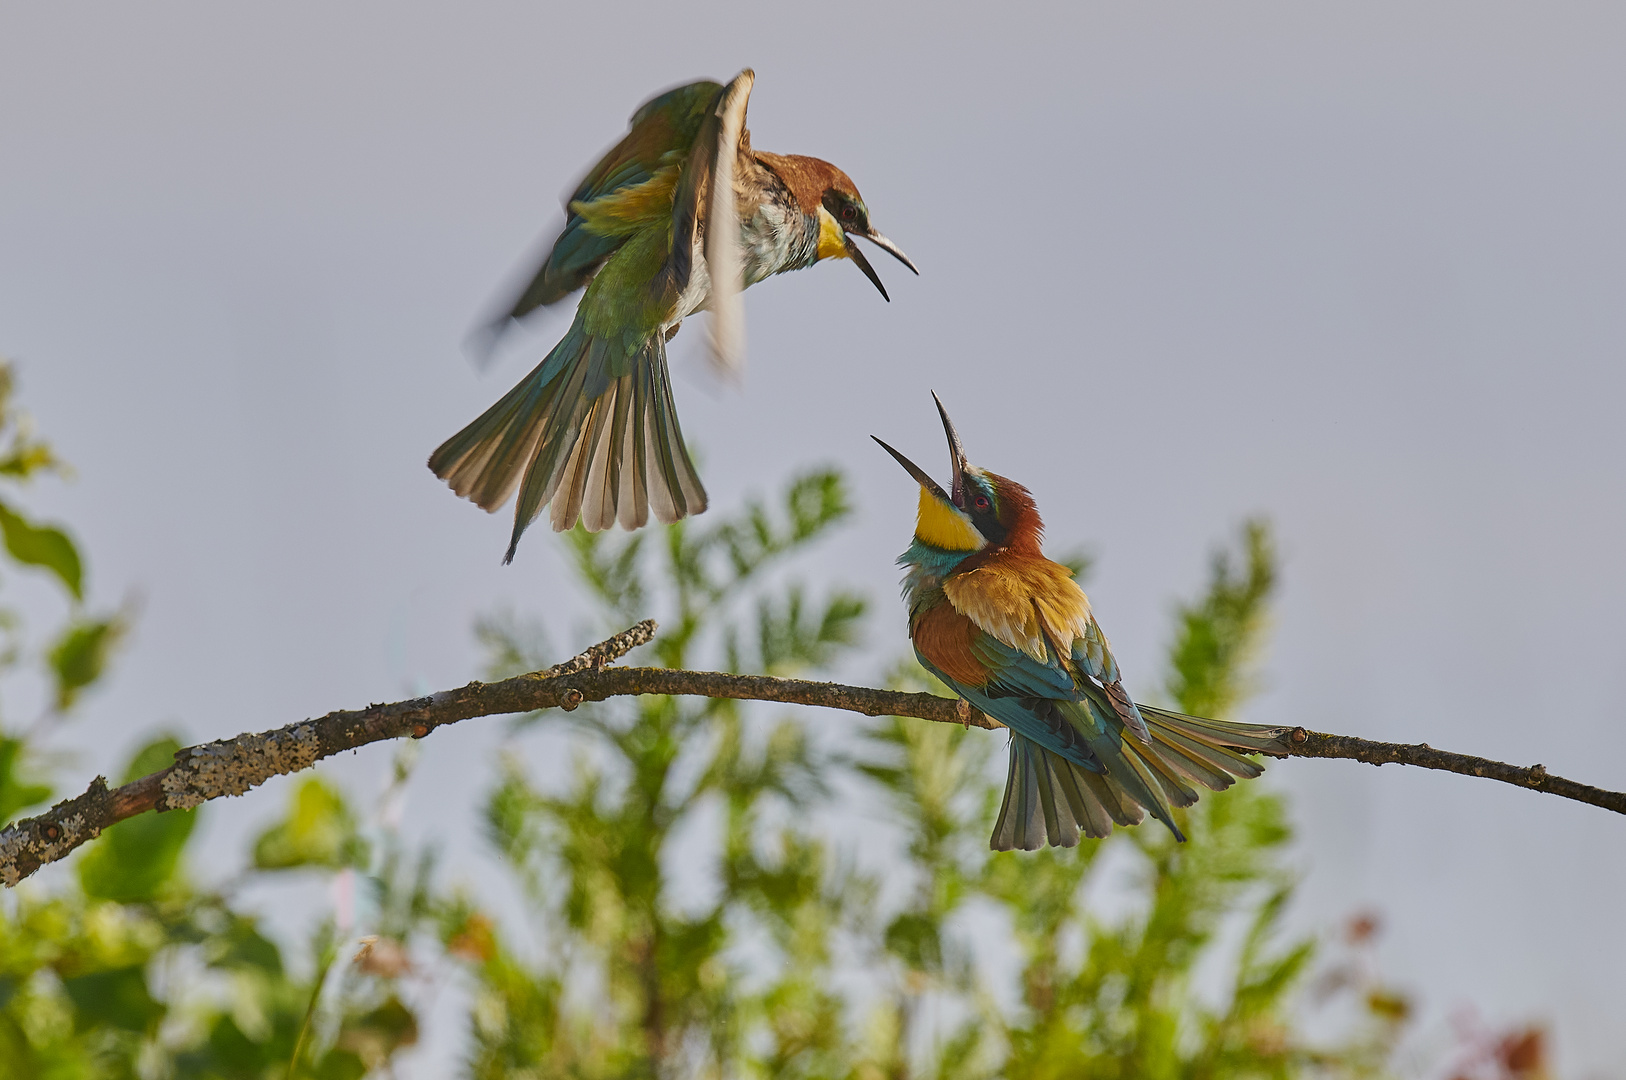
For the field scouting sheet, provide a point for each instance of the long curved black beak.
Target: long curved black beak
(863, 263)
(915, 471)
(956, 453)
(956, 459)
(890, 248)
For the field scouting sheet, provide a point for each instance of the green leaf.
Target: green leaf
(320, 830)
(815, 502)
(1221, 633)
(612, 570)
(17, 791)
(135, 859)
(117, 998)
(788, 640)
(80, 655)
(42, 545)
(227, 1053)
(914, 938)
(375, 1036)
(26, 455)
(241, 947)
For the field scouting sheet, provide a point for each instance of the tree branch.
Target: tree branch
(234, 766)
(1299, 742)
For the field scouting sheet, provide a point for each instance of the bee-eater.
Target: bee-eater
(1012, 633)
(678, 217)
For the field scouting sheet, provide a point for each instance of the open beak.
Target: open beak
(884, 244)
(956, 453)
(956, 457)
(863, 264)
(890, 248)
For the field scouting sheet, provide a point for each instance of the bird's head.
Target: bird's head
(825, 192)
(980, 510)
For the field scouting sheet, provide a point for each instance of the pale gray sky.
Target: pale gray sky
(1359, 267)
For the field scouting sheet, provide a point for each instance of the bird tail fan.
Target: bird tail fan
(1049, 798)
(591, 430)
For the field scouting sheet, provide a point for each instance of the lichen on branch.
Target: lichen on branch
(235, 766)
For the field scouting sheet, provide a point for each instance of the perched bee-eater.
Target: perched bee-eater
(678, 217)
(1012, 633)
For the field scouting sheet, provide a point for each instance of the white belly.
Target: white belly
(769, 244)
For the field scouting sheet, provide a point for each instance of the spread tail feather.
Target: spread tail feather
(591, 431)
(1049, 799)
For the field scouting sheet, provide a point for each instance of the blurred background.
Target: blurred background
(1357, 269)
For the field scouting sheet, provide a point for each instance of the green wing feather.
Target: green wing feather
(662, 129)
(593, 430)
(1072, 768)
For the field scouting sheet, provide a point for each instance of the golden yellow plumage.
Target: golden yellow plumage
(626, 210)
(832, 241)
(943, 527)
(1023, 601)
(1012, 633)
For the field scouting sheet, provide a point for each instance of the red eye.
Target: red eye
(982, 502)
(847, 213)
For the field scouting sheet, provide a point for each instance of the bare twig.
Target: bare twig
(233, 766)
(1313, 744)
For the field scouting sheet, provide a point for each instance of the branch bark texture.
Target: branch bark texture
(234, 766)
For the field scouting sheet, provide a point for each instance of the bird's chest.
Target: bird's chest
(945, 639)
(775, 236)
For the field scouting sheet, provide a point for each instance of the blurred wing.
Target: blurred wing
(663, 129)
(705, 203)
(723, 261)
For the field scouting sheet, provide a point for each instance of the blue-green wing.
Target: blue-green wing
(1019, 674)
(1111, 779)
(1092, 656)
(1034, 699)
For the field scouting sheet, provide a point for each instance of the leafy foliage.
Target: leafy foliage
(1110, 998)
(136, 972)
(674, 994)
(596, 856)
(319, 831)
(136, 859)
(690, 914)
(42, 545)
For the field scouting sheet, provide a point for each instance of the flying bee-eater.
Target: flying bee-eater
(1012, 633)
(678, 217)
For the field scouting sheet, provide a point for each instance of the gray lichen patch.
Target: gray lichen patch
(233, 766)
(30, 844)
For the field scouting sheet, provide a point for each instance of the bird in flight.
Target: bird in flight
(680, 216)
(1012, 633)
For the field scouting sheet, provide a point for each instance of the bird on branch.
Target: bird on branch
(1012, 633)
(680, 216)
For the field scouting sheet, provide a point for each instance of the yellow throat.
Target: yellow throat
(941, 526)
(832, 241)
